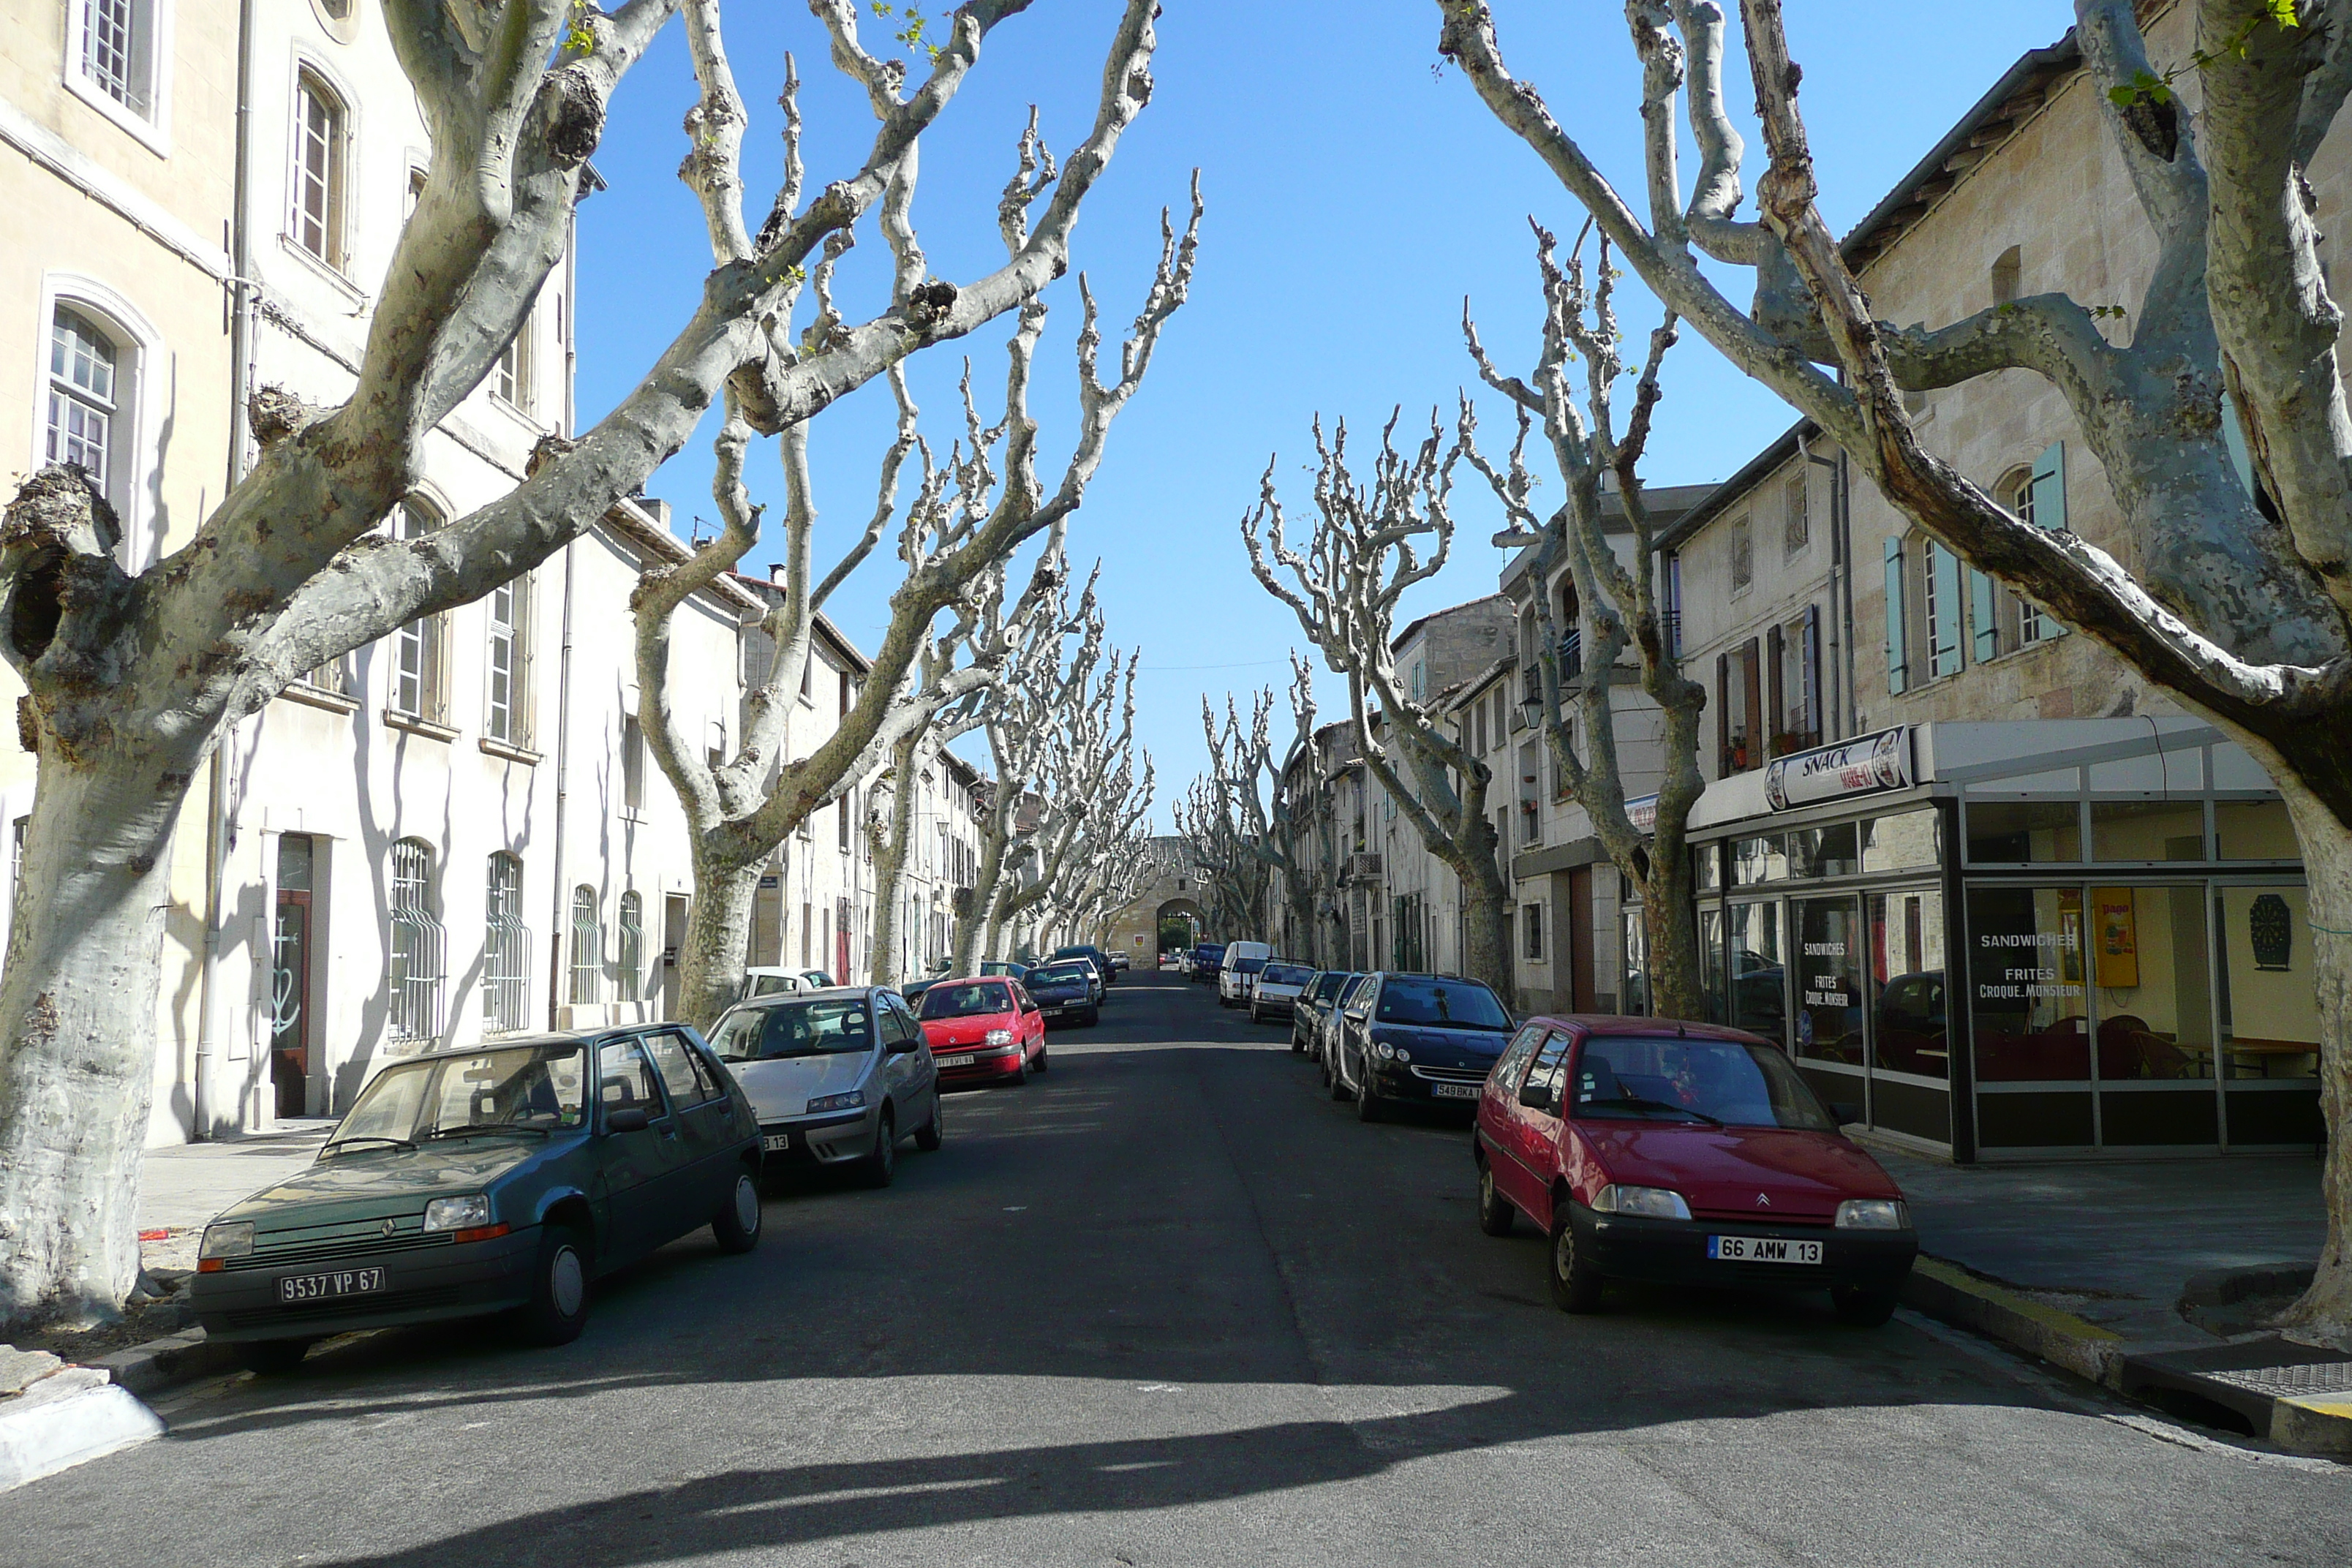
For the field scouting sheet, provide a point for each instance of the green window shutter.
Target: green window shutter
(1898, 658)
(2050, 488)
(1984, 616)
(1944, 612)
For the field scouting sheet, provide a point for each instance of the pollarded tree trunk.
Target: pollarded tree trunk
(1670, 933)
(2324, 1312)
(976, 936)
(85, 962)
(710, 963)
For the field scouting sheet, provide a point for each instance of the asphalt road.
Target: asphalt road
(1169, 1305)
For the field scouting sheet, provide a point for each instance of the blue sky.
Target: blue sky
(1355, 195)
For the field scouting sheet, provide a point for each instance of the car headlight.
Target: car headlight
(1645, 1203)
(468, 1212)
(1000, 1037)
(1383, 1050)
(853, 1101)
(1402, 1055)
(1873, 1213)
(229, 1239)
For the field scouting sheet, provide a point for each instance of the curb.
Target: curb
(2296, 1396)
(1947, 1291)
(68, 1418)
(175, 1359)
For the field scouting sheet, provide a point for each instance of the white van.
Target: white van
(1239, 971)
(764, 982)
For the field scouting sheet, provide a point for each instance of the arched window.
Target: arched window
(587, 947)
(416, 944)
(321, 129)
(506, 947)
(417, 648)
(84, 415)
(628, 972)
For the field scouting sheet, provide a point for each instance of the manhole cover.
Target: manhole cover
(2282, 1382)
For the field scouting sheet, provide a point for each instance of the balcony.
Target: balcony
(1364, 863)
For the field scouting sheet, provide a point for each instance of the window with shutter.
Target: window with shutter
(1943, 611)
(1984, 616)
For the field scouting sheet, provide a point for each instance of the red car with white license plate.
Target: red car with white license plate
(984, 1029)
(1683, 1154)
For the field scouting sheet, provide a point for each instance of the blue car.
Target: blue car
(1065, 992)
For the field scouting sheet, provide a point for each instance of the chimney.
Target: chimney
(776, 573)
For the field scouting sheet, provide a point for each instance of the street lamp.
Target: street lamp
(1531, 709)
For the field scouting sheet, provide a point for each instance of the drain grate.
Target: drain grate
(2286, 1381)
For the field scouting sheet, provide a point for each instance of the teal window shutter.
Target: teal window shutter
(2049, 489)
(1898, 659)
(1943, 611)
(1984, 616)
(2233, 438)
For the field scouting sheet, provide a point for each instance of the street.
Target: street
(1168, 1304)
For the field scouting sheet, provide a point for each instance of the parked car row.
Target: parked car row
(506, 1178)
(1643, 1149)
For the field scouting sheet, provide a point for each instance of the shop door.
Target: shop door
(673, 943)
(290, 977)
(1580, 939)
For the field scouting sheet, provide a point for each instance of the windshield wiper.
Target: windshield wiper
(366, 1138)
(1640, 1102)
(469, 1128)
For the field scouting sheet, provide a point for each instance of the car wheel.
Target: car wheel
(1864, 1306)
(1297, 1046)
(1041, 1064)
(1338, 1084)
(1021, 1073)
(1494, 1211)
(931, 1134)
(1575, 1286)
(737, 1224)
(883, 1163)
(273, 1358)
(1370, 1107)
(558, 1288)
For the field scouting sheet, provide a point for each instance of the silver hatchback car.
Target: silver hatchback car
(836, 1077)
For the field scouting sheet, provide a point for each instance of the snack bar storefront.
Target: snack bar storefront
(2029, 939)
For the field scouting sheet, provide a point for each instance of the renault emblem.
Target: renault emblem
(392, 1225)
(1763, 1201)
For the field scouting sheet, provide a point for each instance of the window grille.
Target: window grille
(627, 978)
(505, 948)
(317, 220)
(83, 377)
(416, 944)
(587, 948)
(118, 48)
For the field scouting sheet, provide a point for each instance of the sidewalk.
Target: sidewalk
(184, 1185)
(2156, 1279)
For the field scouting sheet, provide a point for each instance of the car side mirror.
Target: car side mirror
(1535, 1096)
(628, 1119)
(904, 1048)
(1845, 1110)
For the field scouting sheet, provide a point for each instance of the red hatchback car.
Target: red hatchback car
(1682, 1153)
(982, 1030)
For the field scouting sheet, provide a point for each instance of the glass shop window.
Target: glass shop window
(2147, 830)
(1755, 861)
(1710, 964)
(2023, 832)
(2156, 992)
(1828, 951)
(1909, 988)
(1901, 842)
(1634, 996)
(2030, 993)
(1824, 852)
(2270, 1018)
(2254, 830)
(1706, 867)
(1759, 976)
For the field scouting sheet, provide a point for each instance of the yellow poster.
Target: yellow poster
(2119, 937)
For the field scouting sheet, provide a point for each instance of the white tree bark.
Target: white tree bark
(2247, 620)
(1364, 558)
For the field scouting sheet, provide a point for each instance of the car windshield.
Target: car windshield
(1073, 972)
(1446, 1004)
(1285, 975)
(1015, 970)
(965, 1001)
(1333, 984)
(1209, 954)
(522, 1088)
(820, 1027)
(1729, 1082)
(771, 985)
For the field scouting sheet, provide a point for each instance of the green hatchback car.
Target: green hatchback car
(489, 1180)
